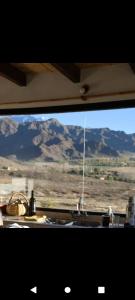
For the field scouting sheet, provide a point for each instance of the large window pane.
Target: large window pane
(46, 153)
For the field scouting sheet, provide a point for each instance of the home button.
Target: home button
(34, 290)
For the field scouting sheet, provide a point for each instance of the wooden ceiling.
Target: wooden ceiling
(33, 67)
(55, 84)
(45, 67)
(92, 65)
(17, 72)
(70, 70)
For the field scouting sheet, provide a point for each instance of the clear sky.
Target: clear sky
(118, 119)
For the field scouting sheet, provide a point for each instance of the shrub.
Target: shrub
(96, 170)
(11, 173)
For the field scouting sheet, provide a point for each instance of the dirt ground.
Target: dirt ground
(56, 187)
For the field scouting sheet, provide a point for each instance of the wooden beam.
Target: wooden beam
(132, 65)
(96, 97)
(70, 70)
(13, 74)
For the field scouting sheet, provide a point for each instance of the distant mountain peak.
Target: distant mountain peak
(51, 140)
(8, 126)
(54, 121)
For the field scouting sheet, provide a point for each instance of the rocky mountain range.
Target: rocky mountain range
(52, 141)
(25, 118)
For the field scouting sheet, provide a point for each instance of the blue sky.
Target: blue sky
(120, 119)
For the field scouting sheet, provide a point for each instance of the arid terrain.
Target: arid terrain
(108, 181)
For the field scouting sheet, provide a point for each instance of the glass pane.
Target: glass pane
(65, 157)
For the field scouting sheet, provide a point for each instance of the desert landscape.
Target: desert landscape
(59, 185)
(49, 156)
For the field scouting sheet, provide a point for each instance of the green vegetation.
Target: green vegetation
(108, 169)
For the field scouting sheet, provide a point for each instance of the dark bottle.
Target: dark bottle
(32, 205)
(105, 220)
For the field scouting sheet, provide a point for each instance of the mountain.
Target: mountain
(50, 140)
(23, 118)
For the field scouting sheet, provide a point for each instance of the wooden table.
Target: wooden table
(8, 220)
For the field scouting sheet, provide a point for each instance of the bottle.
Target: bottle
(105, 220)
(32, 205)
(111, 215)
(1, 219)
(131, 211)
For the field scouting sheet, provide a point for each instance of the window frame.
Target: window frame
(99, 106)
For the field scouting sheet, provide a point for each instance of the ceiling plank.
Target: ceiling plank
(13, 74)
(70, 70)
(94, 65)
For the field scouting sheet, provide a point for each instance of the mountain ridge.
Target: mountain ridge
(51, 140)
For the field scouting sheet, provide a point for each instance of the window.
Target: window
(65, 156)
